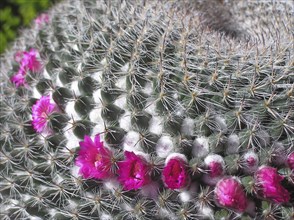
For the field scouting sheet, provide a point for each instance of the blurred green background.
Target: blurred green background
(16, 14)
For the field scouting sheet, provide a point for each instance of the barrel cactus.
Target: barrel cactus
(134, 109)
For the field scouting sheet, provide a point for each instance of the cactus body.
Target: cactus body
(165, 89)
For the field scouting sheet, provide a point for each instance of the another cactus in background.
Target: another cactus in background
(150, 110)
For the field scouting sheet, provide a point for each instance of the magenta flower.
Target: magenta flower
(230, 194)
(133, 172)
(94, 160)
(29, 61)
(175, 175)
(18, 79)
(290, 161)
(41, 20)
(268, 185)
(41, 111)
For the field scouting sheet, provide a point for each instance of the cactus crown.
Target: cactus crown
(150, 110)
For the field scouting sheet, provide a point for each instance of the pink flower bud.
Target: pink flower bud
(214, 169)
(175, 175)
(290, 161)
(230, 194)
(215, 165)
(249, 162)
(41, 111)
(268, 185)
(133, 172)
(94, 159)
(41, 20)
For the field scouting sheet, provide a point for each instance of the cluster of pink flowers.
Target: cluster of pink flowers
(41, 112)
(28, 61)
(97, 161)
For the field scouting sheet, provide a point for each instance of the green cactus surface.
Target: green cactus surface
(207, 83)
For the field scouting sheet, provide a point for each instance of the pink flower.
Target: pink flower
(229, 193)
(133, 172)
(41, 20)
(290, 161)
(41, 111)
(18, 79)
(29, 61)
(268, 184)
(175, 175)
(94, 160)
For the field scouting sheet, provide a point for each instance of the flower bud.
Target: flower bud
(249, 162)
(229, 193)
(215, 169)
(215, 165)
(175, 175)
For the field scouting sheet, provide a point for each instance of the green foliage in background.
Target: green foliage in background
(18, 13)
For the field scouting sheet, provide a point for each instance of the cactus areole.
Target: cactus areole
(134, 109)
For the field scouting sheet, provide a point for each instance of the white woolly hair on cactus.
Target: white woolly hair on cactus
(233, 144)
(125, 121)
(131, 141)
(111, 184)
(164, 146)
(214, 158)
(150, 190)
(188, 127)
(176, 155)
(156, 125)
(200, 147)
